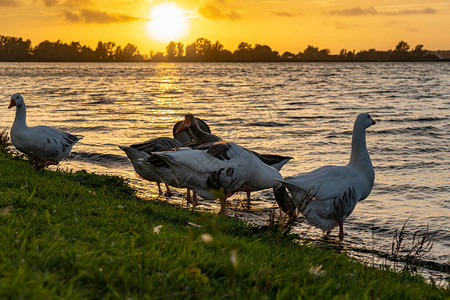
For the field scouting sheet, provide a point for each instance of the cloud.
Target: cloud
(213, 13)
(50, 3)
(285, 14)
(78, 3)
(232, 15)
(405, 12)
(342, 26)
(9, 3)
(358, 11)
(71, 17)
(71, 3)
(99, 17)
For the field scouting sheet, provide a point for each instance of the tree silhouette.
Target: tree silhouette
(129, 53)
(17, 49)
(171, 50)
(419, 51)
(264, 53)
(180, 49)
(191, 51)
(243, 52)
(200, 50)
(288, 55)
(12, 48)
(158, 56)
(402, 47)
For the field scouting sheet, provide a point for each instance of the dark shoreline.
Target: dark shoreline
(196, 61)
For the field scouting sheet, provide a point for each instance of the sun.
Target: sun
(167, 22)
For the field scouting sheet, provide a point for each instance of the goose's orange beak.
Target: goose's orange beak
(184, 125)
(187, 122)
(13, 103)
(181, 128)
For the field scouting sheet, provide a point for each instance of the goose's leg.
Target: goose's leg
(168, 193)
(188, 196)
(159, 188)
(194, 199)
(223, 209)
(248, 195)
(341, 229)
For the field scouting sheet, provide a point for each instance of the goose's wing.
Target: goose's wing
(275, 161)
(134, 155)
(47, 143)
(157, 145)
(219, 168)
(327, 182)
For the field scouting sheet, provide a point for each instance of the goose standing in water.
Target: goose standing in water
(43, 145)
(199, 136)
(328, 195)
(145, 149)
(215, 170)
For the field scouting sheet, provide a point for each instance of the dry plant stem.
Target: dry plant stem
(4, 141)
(421, 244)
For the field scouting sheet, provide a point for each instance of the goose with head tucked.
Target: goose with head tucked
(328, 195)
(145, 149)
(197, 134)
(215, 170)
(44, 145)
(183, 136)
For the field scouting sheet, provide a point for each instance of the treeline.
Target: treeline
(17, 49)
(202, 50)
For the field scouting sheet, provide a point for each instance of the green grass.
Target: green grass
(80, 235)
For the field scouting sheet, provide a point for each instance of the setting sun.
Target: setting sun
(167, 22)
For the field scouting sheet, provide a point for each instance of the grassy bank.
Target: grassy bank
(79, 235)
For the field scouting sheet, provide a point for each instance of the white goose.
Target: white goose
(42, 144)
(215, 170)
(328, 195)
(200, 136)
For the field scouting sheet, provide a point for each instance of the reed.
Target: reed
(4, 141)
(410, 255)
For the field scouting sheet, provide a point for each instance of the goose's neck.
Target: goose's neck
(359, 155)
(196, 133)
(21, 115)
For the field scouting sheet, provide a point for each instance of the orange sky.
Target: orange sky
(285, 25)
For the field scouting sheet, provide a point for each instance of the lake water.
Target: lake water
(304, 110)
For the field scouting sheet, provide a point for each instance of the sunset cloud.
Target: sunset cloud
(425, 11)
(284, 14)
(78, 3)
(50, 3)
(358, 11)
(72, 17)
(9, 3)
(99, 17)
(212, 13)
